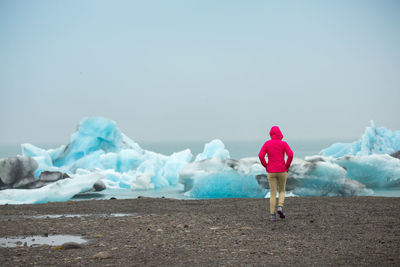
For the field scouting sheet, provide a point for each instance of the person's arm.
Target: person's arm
(261, 155)
(289, 154)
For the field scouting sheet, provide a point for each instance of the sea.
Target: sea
(237, 150)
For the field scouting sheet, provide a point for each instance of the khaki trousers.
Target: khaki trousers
(276, 179)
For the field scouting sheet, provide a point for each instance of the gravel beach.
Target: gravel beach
(166, 232)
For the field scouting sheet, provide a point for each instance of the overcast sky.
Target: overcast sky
(198, 70)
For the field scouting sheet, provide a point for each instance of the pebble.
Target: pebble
(208, 221)
(101, 244)
(102, 255)
(71, 245)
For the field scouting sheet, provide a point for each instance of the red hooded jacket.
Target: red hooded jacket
(275, 150)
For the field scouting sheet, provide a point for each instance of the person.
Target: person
(276, 168)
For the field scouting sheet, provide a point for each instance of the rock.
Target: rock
(48, 176)
(71, 245)
(24, 182)
(18, 172)
(209, 221)
(102, 255)
(396, 154)
(99, 186)
(13, 169)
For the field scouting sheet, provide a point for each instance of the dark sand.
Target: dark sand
(317, 231)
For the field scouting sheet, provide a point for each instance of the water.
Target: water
(57, 216)
(37, 240)
(241, 149)
(174, 191)
(237, 149)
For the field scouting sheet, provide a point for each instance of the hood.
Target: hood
(276, 133)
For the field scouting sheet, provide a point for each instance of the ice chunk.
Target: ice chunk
(214, 149)
(100, 148)
(98, 145)
(374, 171)
(225, 184)
(160, 171)
(41, 156)
(217, 178)
(321, 176)
(61, 190)
(315, 176)
(174, 165)
(375, 140)
(94, 134)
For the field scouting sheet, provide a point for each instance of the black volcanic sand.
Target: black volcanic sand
(317, 231)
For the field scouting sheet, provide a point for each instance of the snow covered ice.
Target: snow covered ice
(98, 150)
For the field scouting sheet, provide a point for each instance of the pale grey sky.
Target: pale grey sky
(198, 70)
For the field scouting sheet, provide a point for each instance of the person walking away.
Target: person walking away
(277, 168)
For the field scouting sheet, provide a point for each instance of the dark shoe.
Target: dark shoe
(272, 218)
(280, 212)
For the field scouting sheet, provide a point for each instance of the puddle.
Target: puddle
(36, 240)
(56, 216)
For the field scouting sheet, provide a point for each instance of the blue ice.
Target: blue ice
(99, 150)
(375, 140)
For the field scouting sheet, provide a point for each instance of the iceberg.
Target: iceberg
(374, 171)
(322, 176)
(314, 176)
(61, 190)
(222, 178)
(214, 149)
(375, 140)
(98, 153)
(99, 146)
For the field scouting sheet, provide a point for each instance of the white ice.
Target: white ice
(61, 190)
(214, 149)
